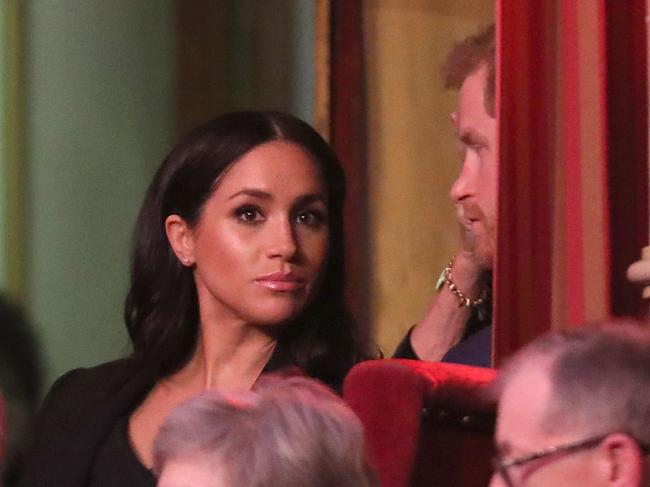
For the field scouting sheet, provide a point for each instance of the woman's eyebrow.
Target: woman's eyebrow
(257, 193)
(311, 198)
(304, 199)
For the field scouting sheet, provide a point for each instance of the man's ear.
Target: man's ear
(624, 460)
(181, 239)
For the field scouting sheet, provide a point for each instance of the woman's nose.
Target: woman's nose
(282, 241)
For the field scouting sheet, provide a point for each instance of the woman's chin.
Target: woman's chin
(276, 315)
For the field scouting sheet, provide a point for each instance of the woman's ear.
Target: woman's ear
(181, 239)
(625, 460)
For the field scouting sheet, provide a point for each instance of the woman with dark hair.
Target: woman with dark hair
(237, 271)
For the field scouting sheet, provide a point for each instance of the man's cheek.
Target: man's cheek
(472, 211)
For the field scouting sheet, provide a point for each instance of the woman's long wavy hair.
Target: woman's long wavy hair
(161, 310)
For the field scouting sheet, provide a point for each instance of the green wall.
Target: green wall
(272, 67)
(100, 116)
(303, 70)
(3, 163)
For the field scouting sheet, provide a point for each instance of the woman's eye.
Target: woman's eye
(249, 214)
(311, 217)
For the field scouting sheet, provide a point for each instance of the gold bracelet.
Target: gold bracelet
(463, 301)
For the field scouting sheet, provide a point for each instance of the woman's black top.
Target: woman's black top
(81, 436)
(117, 465)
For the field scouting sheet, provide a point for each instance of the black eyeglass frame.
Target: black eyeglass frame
(501, 467)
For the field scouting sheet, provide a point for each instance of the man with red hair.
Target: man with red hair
(457, 324)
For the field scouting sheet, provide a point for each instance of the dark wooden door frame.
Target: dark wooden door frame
(347, 129)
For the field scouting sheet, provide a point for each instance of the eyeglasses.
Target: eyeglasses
(501, 466)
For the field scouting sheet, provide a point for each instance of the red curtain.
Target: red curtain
(525, 97)
(573, 173)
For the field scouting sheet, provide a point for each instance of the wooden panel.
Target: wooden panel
(202, 32)
(627, 128)
(322, 68)
(348, 137)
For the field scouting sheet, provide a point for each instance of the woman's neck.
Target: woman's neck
(228, 356)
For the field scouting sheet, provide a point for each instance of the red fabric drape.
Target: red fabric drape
(525, 97)
(573, 173)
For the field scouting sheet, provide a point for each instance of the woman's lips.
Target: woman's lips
(279, 281)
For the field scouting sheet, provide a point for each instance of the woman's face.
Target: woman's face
(261, 242)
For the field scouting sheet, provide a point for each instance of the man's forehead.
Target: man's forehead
(471, 117)
(473, 88)
(522, 406)
(471, 98)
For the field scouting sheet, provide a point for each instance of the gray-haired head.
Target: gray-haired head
(599, 376)
(292, 432)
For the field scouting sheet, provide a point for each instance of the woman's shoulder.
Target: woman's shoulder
(78, 387)
(83, 398)
(80, 409)
(97, 377)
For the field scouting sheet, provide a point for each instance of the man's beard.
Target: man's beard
(484, 241)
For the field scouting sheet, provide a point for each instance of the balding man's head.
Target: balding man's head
(581, 400)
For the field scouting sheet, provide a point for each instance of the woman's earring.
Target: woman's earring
(186, 261)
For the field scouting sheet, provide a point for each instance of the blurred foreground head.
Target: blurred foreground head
(574, 409)
(4, 436)
(291, 432)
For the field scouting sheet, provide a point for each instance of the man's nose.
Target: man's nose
(464, 185)
(282, 240)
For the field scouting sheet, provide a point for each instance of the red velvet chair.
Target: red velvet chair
(427, 424)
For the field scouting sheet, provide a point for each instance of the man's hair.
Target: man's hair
(292, 432)
(600, 378)
(468, 56)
